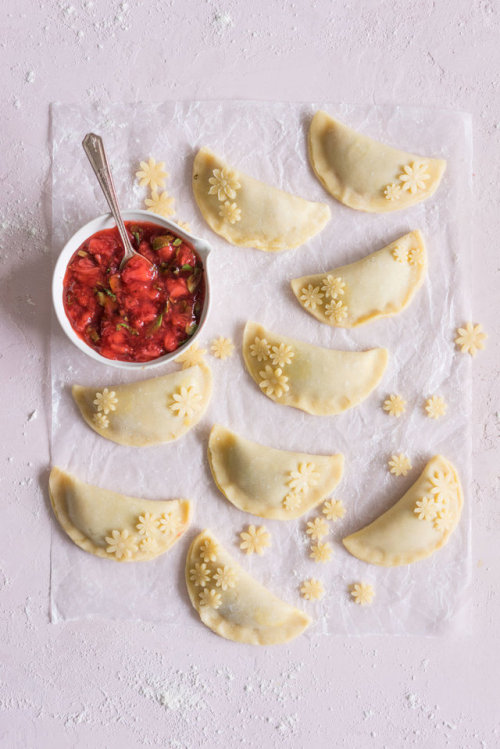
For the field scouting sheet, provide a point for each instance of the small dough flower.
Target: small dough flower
(224, 184)
(106, 401)
(225, 578)
(168, 523)
(148, 544)
(443, 486)
(273, 381)
(443, 520)
(400, 254)
(184, 225)
(414, 176)
(282, 355)
(312, 589)
(121, 544)
(426, 508)
(470, 339)
(222, 348)
(292, 501)
(317, 528)
(101, 421)
(321, 552)
(230, 212)
(199, 574)
(208, 550)
(392, 192)
(362, 593)
(255, 540)
(399, 465)
(333, 509)
(147, 524)
(394, 405)
(416, 256)
(304, 477)
(191, 357)
(333, 286)
(435, 407)
(210, 598)
(336, 311)
(311, 296)
(260, 349)
(152, 173)
(160, 203)
(186, 401)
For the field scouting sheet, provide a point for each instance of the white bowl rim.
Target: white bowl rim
(106, 221)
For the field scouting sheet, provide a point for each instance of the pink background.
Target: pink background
(110, 684)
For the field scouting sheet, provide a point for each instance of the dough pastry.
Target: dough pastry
(419, 524)
(150, 411)
(267, 482)
(250, 213)
(379, 285)
(234, 605)
(114, 526)
(365, 174)
(316, 380)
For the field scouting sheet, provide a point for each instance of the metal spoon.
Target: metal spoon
(94, 148)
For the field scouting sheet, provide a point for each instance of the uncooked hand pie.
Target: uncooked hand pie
(250, 213)
(115, 526)
(234, 605)
(365, 174)
(267, 482)
(379, 285)
(317, 380)
(147, 412)
(419, 524)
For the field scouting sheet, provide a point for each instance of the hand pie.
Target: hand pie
(316, 380)
(114, 526)
(234, 605)
(150, 411)
(380, 285)
(250, 213)
(419, 524)
(267, 482)
(365, 174)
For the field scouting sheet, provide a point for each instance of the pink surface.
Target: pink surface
(125, 684)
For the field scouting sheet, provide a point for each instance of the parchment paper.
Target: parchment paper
(268, 140)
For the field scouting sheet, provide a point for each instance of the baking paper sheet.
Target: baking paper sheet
(268, 140)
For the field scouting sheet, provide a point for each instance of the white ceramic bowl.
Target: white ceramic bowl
(106, 221)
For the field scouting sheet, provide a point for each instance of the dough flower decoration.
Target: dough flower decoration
(399, 465)
(426, 508)
(414, 176)
(273, 381)
(122, 544)
(443, 520)
(435, 407)
(470, 339)
(168, 523)
(321, 552)
(394, 405)
(443, 486)
(148, 544)
(336, 310)
(292, 501)
(333, 509)
(223, 184)
(225, 577)
(161, 203)
(362, 593)
(416, 256)
(186, 401)
(333, 286)
(317, 528)
(184, 225)
(400, 254)
(208, 551)
(304, 477)
(311, 296)
(100, 420)
(222, 348)
(230, 212)
(260, 349)
(146, 524)
(106, 401)
(312, 589)
(191, 357)
(211, 598)
(282, 355)
(392, 192)
(152, 173)
(199, 574)
(255, 540)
